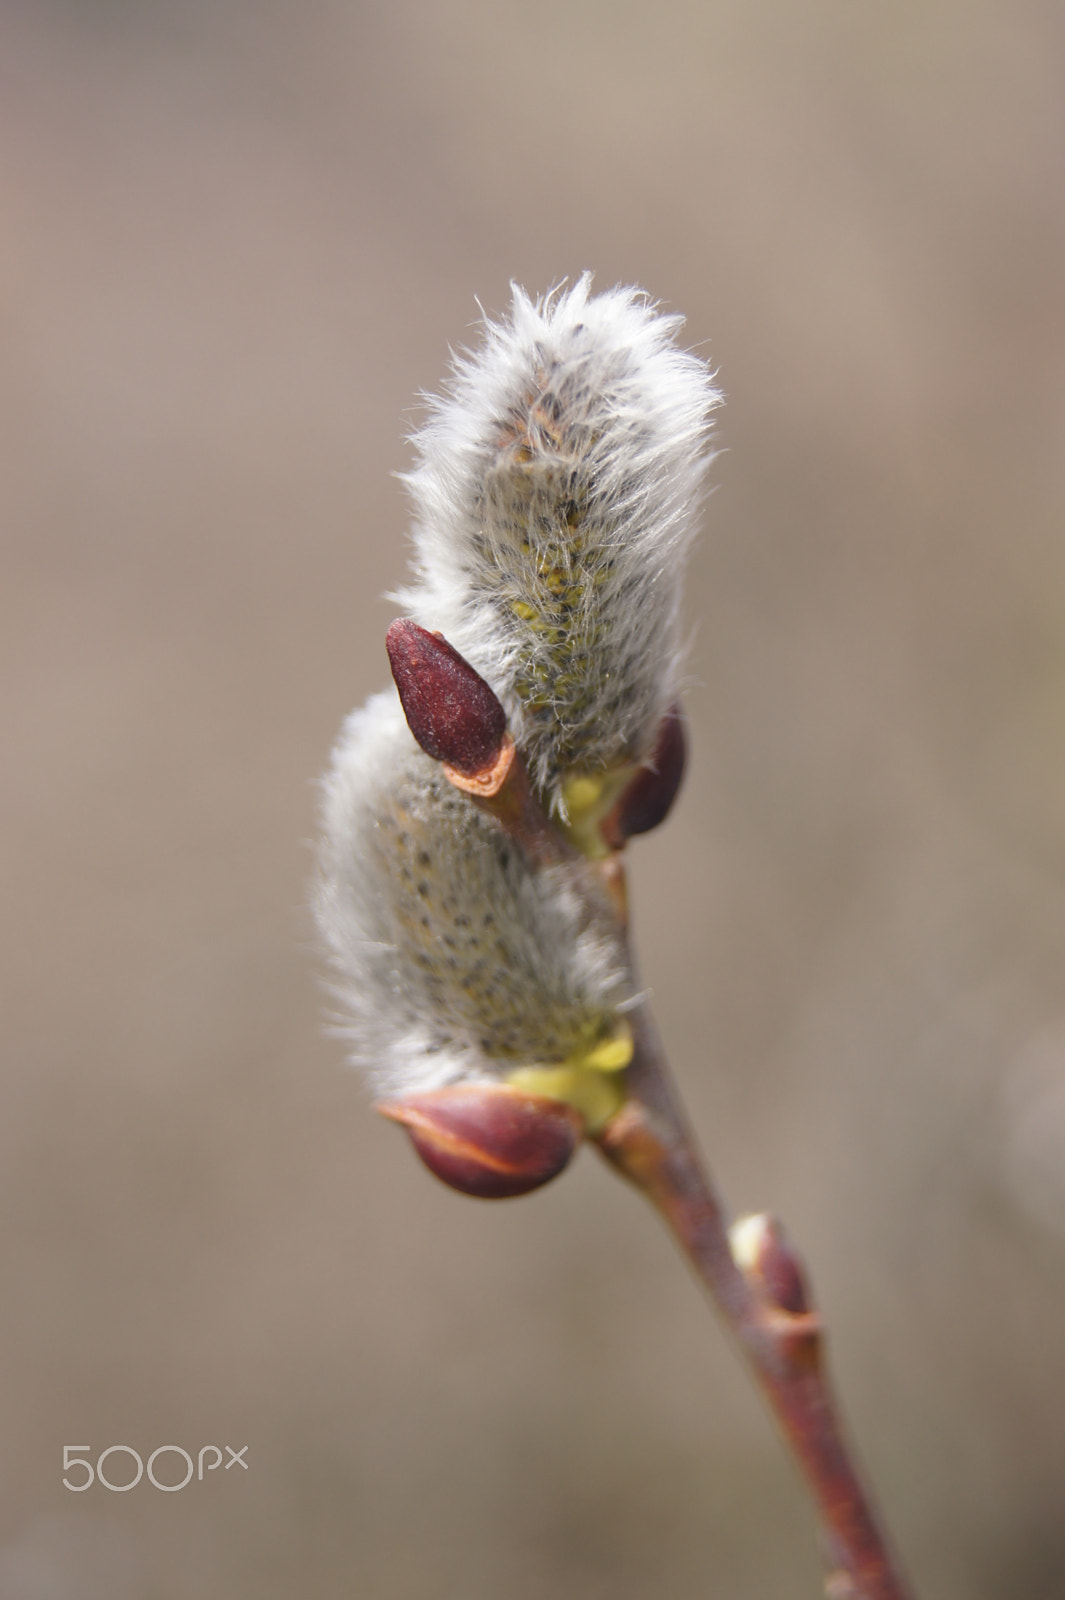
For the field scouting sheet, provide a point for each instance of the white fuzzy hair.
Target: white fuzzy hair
(555, 497)
(453, 960)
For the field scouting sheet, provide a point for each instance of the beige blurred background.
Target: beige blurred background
(236, 241)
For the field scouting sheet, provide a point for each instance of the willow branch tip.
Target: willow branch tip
(758, 1282)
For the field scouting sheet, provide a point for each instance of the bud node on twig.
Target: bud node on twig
(488, 1140)
(452, 712)
(649, 796)
(763, 1252)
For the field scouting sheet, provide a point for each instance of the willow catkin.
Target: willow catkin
(555, 498)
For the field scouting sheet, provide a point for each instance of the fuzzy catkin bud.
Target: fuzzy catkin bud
(454, 960)
(555, 496)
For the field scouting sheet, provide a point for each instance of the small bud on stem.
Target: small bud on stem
(457, 719)
(649, 796)
(452, 712)
(488, 1140)
(763, 1252)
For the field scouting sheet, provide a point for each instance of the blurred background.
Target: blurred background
(237, 241)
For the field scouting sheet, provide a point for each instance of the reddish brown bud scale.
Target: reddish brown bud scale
(488, 1140)
(649, 797)
(450, 709)
(771, 1263)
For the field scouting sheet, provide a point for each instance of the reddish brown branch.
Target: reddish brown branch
(764, 1304)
